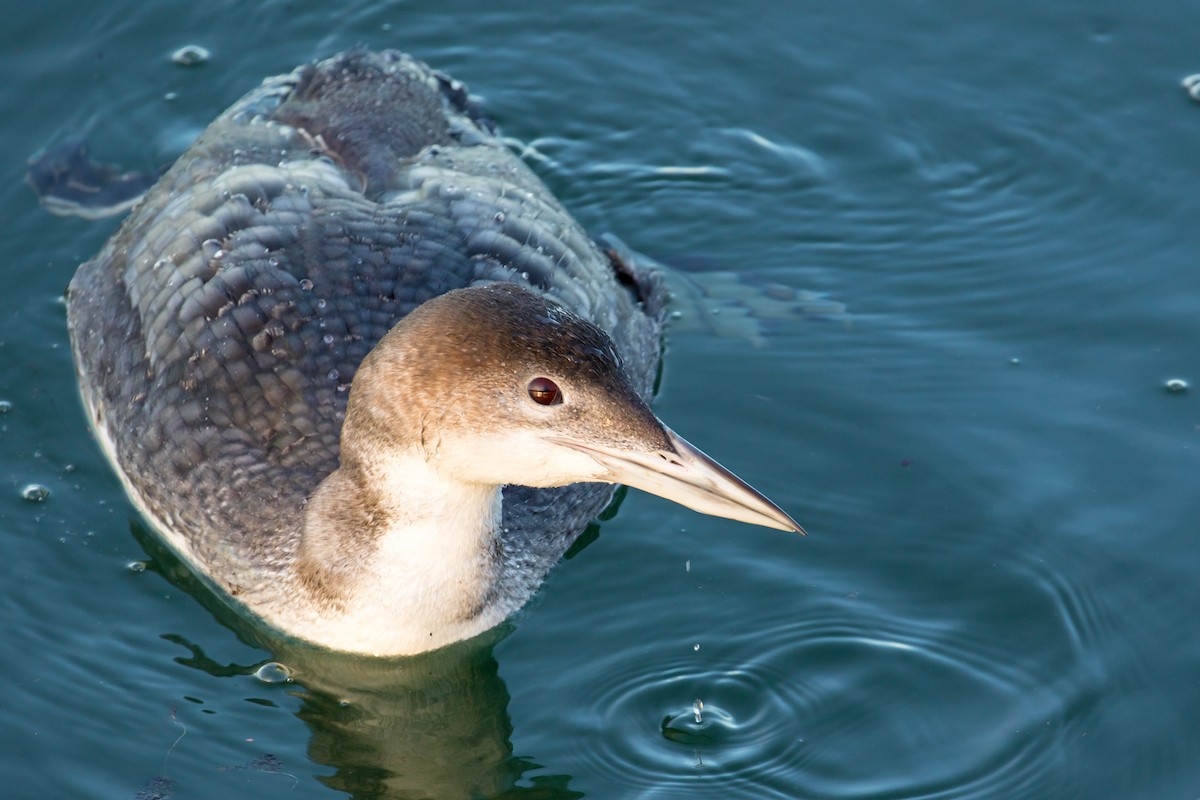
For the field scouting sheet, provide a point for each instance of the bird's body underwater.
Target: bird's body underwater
(356, 364)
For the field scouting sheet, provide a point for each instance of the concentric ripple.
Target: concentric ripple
(824, 708)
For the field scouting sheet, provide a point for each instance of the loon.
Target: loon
(354, 362)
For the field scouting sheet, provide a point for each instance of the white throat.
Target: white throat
(429, 566)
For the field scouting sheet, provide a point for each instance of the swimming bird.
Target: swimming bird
(355, 363)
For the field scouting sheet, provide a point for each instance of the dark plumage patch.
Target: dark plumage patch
(368, 111)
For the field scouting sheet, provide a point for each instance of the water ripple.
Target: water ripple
(1007, 171)
(832, 708)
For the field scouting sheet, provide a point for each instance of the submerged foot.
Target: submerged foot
(69, 183)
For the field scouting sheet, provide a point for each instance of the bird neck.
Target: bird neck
(399, 558)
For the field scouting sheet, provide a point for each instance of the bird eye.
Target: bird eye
(545, 392)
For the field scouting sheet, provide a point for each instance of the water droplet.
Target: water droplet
(696, 647)
(35, 493)
(306, 284)
(136, 566)
(5, 406)
(691, 728)
(171, 97)
(220, 254)
(321, 303)
(273, 672)
(500, 217)
(332, 375)
(327, 338)
(1014, 361)
(1176, 385)
(273, 261)
(190, 55)
(1192, 84)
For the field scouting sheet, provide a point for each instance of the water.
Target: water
(998, 595)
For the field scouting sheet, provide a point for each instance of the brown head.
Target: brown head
(496, 384)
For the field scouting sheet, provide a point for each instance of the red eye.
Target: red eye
(545, 392)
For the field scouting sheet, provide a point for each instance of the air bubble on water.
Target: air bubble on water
(35, 493)
(332, 375)
(273, 672)
(190, 55)
(136, 566)
(306, 284)
(5, 406)
(321, 303)
(696, 647)
(697, 707)
(327, 338)
(1176, 385)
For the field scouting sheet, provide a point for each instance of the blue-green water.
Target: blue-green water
(998, 597)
